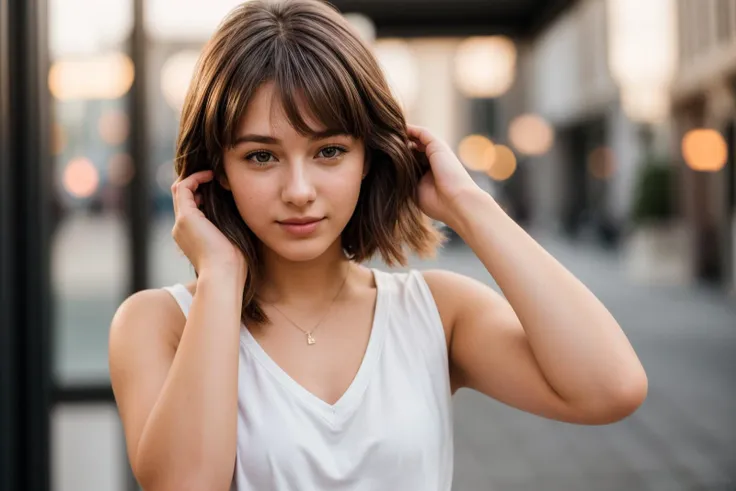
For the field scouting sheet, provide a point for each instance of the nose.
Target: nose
(298, 189)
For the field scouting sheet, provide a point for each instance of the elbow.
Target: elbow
(614, 403)
(630, 399)
(623, 401)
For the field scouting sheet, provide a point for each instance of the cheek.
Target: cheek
(342, 189)
(251, 198)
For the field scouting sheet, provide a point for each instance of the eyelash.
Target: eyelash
(249, 157)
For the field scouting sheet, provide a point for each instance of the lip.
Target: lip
(300, 220)
(300, 227)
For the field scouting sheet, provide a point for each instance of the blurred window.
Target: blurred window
(89, 79)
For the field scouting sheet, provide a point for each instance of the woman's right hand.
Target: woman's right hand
(199, 239)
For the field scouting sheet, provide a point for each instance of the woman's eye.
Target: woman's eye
(331, 152)
(259, 157)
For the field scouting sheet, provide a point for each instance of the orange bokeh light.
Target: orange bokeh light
(485, 66)
(107, 76)
(704, 150)
(531, 135)
(504, 165)
(477, 152)
(81, 178)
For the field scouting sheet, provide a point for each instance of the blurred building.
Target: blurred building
(704, 96)
(585, 185)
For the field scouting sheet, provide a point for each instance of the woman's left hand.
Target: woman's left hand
(446, 182)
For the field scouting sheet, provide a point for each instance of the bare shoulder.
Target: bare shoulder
(454, 292)
(147, 316)
(144, 336)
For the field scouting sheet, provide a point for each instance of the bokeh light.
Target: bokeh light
(504, 165)
(485, 66)
(477, 152)
(642, 55)
(120, 169)
(530, 134)
(176, 76)
(399, 64)
(704, 150)
(107, 76)
(602, 163)
(81, 178)
(78, 27)
(114, 127)
(648, 104)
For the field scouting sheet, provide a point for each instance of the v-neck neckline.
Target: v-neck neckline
(352, 396)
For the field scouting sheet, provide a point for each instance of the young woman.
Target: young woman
(287, 365)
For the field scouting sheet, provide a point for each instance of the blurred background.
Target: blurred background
(606, 128)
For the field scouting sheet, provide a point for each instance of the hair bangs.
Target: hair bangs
(311, 82)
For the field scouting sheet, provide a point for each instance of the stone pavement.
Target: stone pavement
(682, 438)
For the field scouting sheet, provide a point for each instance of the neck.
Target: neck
(303, 283)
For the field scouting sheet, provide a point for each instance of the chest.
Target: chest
(326, 366)
(393, 423)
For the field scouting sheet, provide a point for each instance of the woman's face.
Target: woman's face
(295, 192)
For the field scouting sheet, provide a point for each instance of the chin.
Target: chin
(302, 250)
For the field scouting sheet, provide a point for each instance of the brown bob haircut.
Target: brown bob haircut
(317, 62)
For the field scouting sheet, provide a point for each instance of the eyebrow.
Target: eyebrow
(269, 140)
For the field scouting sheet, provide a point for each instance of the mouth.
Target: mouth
(300, 220)
(300, 227)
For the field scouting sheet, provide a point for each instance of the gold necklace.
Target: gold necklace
(310, 338)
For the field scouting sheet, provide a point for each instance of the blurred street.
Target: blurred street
(683, 438)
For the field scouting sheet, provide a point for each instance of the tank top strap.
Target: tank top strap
(182, 296)
(384, 281)
(413, 299)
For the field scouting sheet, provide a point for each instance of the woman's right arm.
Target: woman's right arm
(179, 404)
(178, 398)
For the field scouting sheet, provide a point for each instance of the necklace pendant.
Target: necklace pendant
(310, 339)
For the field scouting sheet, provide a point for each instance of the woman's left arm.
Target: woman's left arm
(551, 348)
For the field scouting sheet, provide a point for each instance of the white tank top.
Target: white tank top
(391, 430)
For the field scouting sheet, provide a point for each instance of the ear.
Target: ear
(222, 180)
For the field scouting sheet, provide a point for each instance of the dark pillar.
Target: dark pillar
(25, 297)
(139, 203)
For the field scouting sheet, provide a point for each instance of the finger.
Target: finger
(415, 144)
(183, 190)
(422, 136)
(426, 138)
